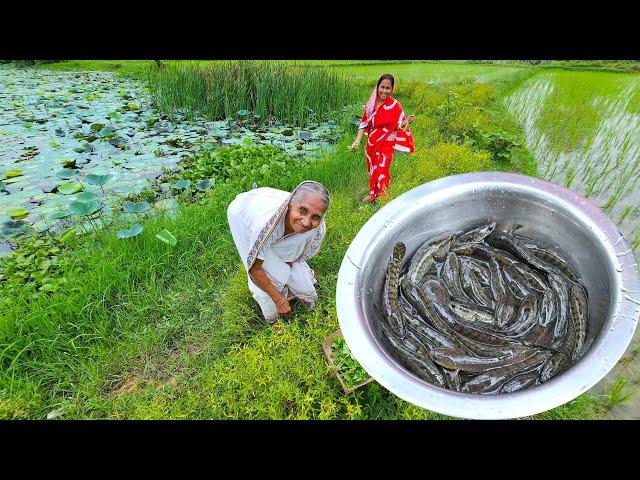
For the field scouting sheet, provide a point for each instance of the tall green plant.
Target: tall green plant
(292, 93)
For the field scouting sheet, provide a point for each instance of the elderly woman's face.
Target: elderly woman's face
(306, 214)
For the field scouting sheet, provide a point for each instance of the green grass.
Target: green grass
(433, 71)
(143, 330)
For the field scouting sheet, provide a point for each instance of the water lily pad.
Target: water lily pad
(82, 209)
(13, 173)
(98, 179)
(167, 237)
(131, 207)
(3, 187)
(86, 197)
(69, 188)
(305, 135)
(96, 127)
(133, 106)
(181, 184)
(204, 184)
(18, 213)
(132, 232)
(243, 113)
(59, 132)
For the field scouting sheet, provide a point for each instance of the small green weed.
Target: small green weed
(350, 370)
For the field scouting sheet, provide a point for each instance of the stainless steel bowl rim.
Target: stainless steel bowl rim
(605, 352)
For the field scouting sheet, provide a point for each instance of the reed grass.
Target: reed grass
(287, 92)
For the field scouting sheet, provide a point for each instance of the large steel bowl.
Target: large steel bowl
(554, 217)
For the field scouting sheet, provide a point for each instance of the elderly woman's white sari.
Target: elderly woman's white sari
(257, 221)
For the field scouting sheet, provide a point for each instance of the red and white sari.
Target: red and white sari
(383, 137)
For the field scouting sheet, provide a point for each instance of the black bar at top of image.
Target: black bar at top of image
(413, 37)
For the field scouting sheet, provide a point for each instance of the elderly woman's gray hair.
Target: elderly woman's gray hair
(314, 188)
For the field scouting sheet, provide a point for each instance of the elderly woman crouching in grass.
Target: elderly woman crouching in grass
(276, 232)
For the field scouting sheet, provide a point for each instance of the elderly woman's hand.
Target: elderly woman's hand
(283, 308)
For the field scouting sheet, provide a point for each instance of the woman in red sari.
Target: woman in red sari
(384, 123)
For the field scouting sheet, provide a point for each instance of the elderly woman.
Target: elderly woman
(276, 232)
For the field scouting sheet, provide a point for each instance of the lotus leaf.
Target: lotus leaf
(131, 207)
(105, 132)
(69, 188)
(13, 173)
(98, 179)
(86, 197)
(181, 184)
(204, 184)
(167, 237)
(59, 214)
(68, 162)
(67, 173)
(132, 232)
(82, 209)
(19, 213)
(14, 228)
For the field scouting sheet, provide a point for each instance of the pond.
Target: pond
(58, 127)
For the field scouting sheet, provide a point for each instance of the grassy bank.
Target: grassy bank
(144, 330)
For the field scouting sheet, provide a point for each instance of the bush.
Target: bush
(460, 112)
(499, 144)
(452, 159)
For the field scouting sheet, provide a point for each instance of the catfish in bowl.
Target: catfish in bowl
(484, 311)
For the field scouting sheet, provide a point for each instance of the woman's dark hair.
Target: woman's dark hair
(387, 76)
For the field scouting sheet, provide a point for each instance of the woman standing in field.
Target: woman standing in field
(276, 232)
(384, 123)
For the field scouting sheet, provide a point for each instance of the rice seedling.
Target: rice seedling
(584, 130)
(620, 392)
(625, 213)
(635, 240)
